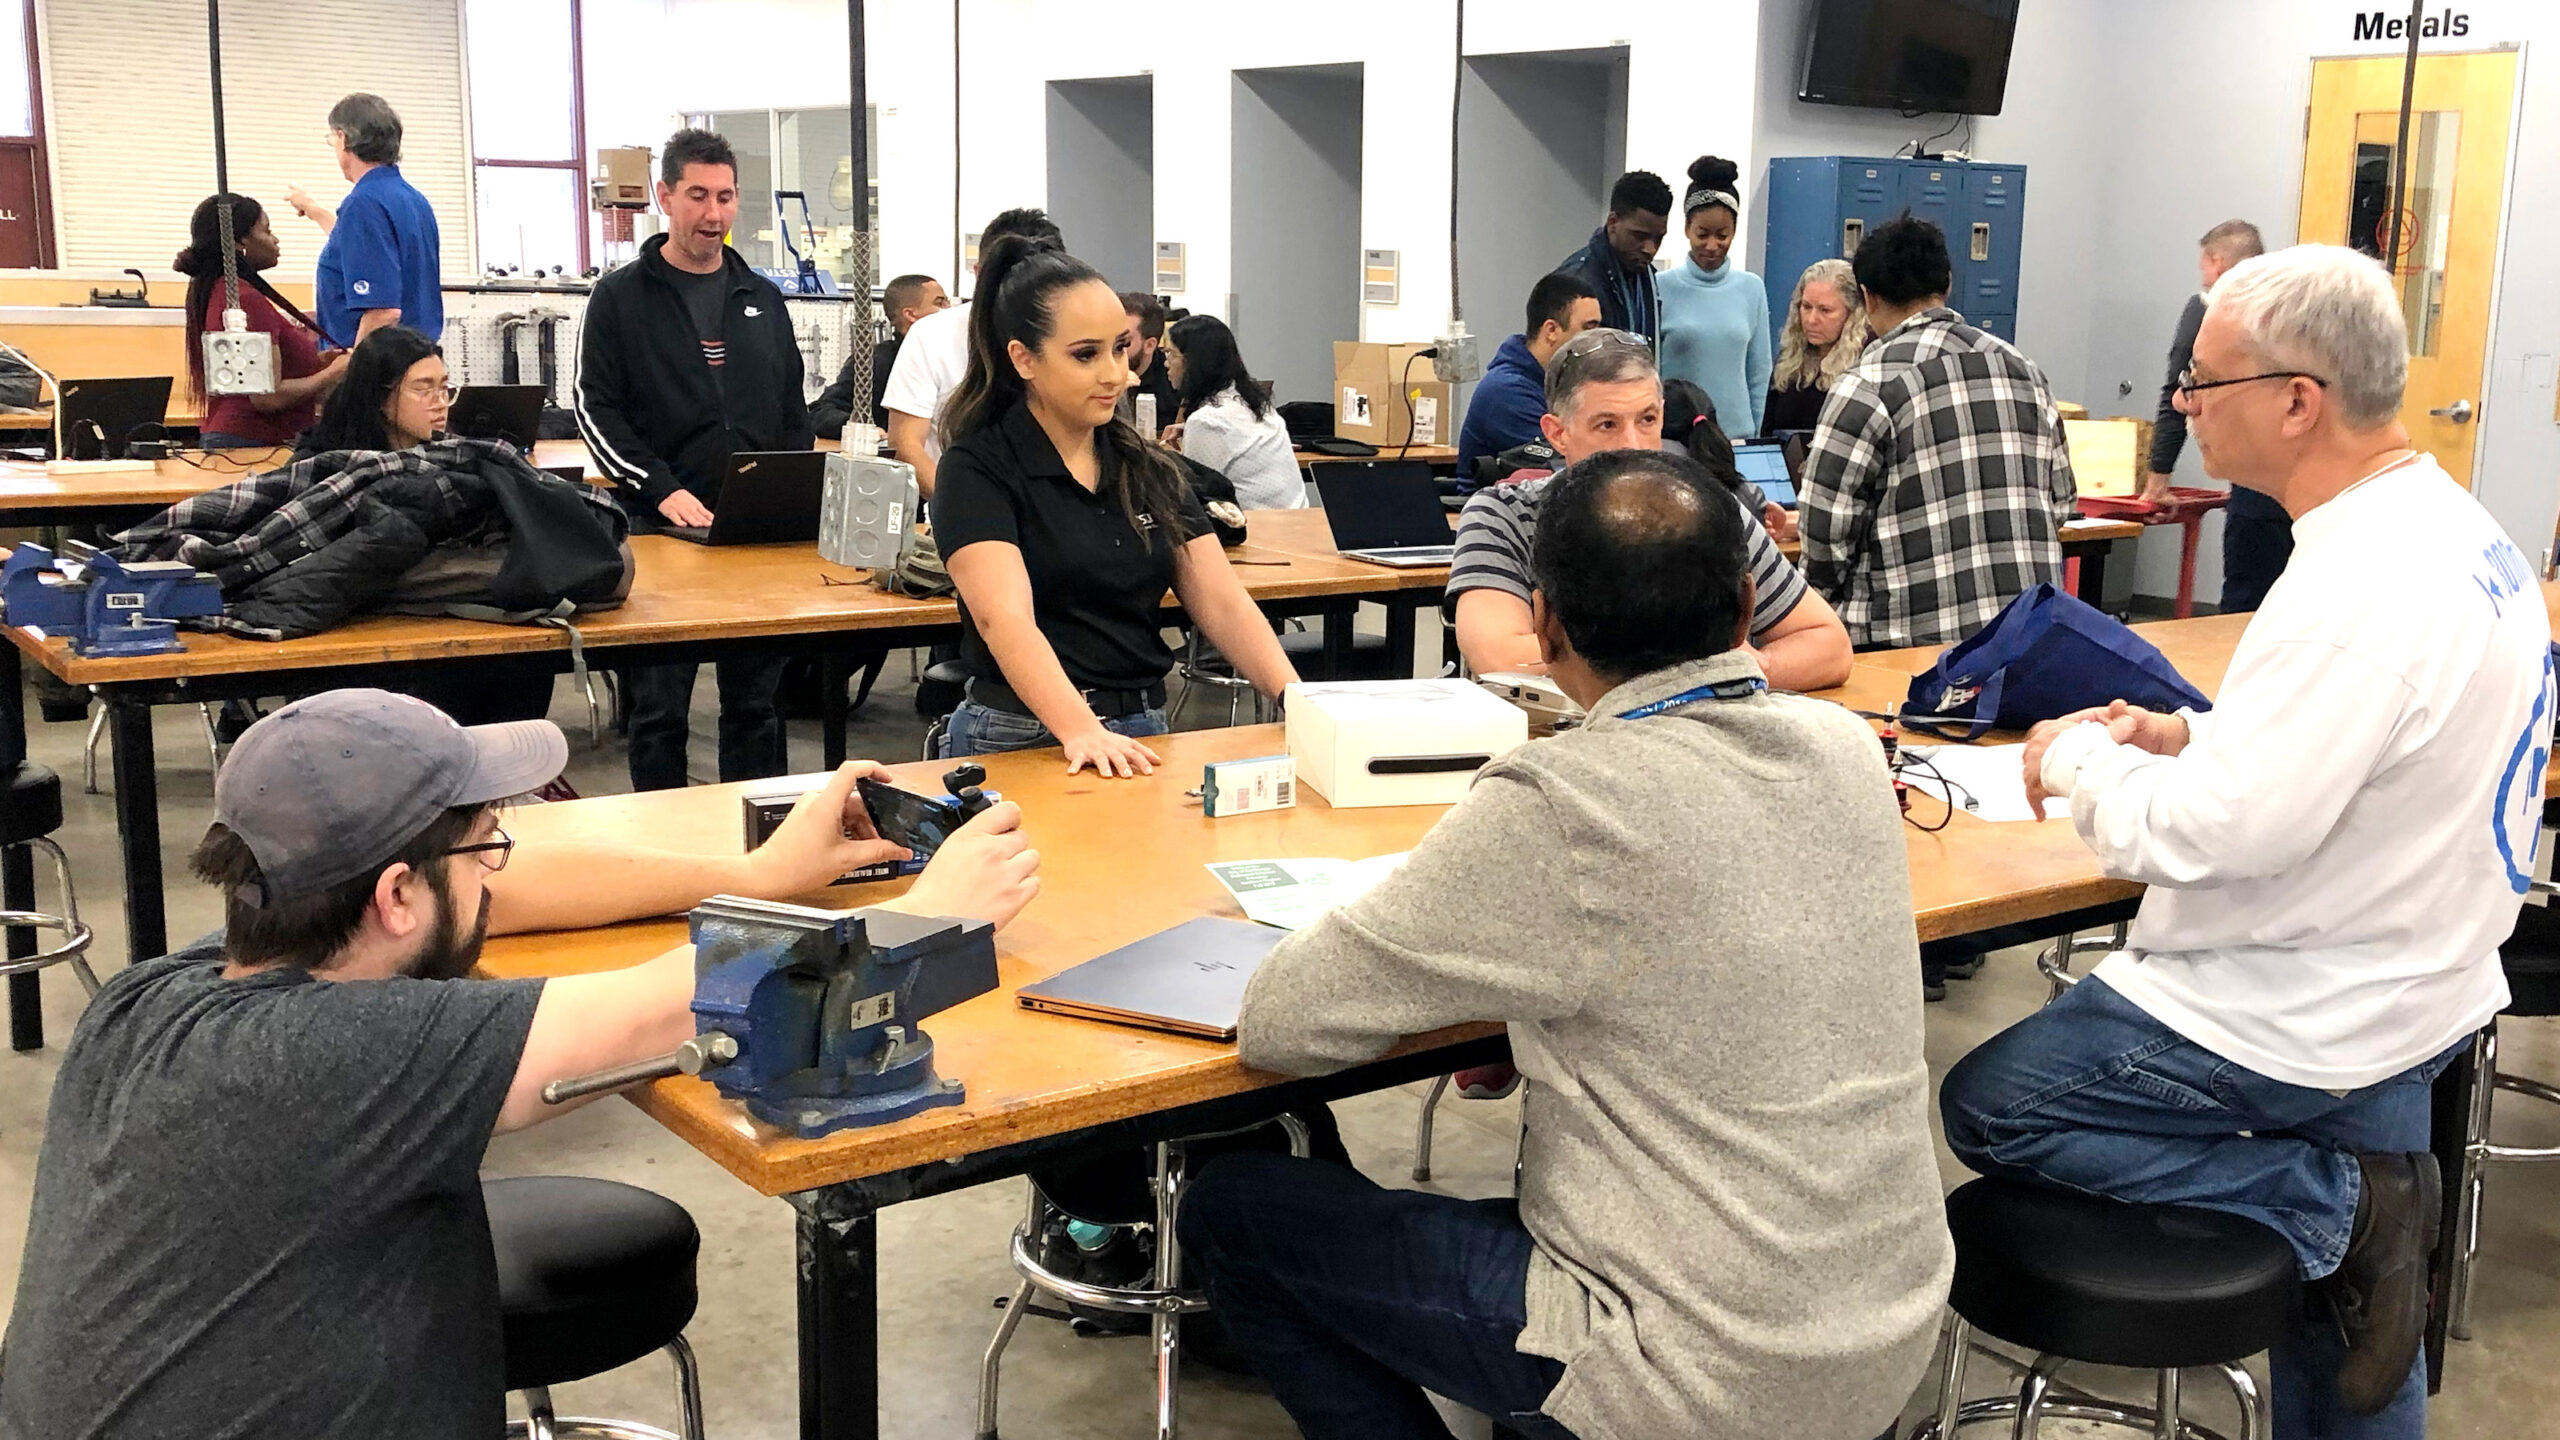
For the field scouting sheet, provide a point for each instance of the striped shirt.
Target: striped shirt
(1937, 485)
(1501, 521)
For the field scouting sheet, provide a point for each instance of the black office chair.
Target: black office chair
(2077, 1278)
(592, 1275)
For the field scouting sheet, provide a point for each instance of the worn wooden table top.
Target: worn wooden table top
(1122, 860)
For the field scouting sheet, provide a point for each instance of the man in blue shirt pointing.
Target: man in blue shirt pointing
(382, 263)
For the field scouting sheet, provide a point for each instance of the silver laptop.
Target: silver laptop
(1386, 512)
(1189, 979)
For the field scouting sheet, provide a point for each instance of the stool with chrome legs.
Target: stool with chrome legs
(1163, 1300)
(592, 1275)
(2531, 958)
(2074, 1277)
(30, 811)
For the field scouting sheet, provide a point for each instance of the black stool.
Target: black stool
(2150, 1287)
(2531, 958)
(1368, 658)
(592, 1274)
(30, 811)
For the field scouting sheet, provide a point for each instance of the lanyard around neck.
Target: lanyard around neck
(1741, 689)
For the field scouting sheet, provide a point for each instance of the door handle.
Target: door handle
(2459, 412)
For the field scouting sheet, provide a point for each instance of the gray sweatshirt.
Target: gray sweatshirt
(1698, 928)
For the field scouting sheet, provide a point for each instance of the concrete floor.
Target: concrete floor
(943, 1260)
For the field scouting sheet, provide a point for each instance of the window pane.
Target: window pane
(17, 98)
(750, 133)
(521, 94)
(528, 218)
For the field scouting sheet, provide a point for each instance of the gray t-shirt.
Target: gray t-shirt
(1500, 523)
(257, 1210)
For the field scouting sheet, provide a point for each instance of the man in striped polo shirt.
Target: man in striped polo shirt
(1603, 393)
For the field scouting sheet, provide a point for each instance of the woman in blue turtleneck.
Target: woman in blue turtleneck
(1715, 314)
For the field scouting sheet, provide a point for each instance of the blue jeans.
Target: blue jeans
(1352, 1298)
(975, 729)
(2092, 1094)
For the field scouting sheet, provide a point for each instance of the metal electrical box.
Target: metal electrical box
(1822, 206)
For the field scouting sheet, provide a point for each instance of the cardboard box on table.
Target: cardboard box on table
(1375, 402)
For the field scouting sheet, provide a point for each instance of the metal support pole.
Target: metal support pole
(839, 1252)
(2400, 151)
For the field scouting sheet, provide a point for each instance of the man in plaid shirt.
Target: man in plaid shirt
(1938, 479)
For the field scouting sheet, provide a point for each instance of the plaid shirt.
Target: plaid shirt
(255, 526)
(1937, 485)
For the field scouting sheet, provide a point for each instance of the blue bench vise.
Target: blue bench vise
(103, 606)
(809, 1017)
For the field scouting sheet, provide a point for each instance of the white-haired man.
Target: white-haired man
(2334, 853)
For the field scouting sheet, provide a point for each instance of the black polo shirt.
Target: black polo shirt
(1097, 582)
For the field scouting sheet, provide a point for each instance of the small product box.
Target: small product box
(1398, 742)
(768, 803)
(1241, 787)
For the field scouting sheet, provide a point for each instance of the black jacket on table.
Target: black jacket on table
(654, 413)
(834, 408)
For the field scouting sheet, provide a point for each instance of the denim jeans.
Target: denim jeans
(751, 736)
(1352, 1299)
(2092, 1094)
(975, 729)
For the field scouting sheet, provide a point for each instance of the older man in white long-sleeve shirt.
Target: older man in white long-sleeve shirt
(2334, 853)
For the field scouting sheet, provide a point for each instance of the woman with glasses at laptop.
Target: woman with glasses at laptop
(305, 369)
(1063, 528)
(1826, 332)
(1228, 421)
(395, 396)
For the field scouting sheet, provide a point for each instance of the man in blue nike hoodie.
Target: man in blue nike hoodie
(1513, 393)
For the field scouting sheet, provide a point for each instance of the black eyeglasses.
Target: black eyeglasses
(493, 853)
(2189, 386)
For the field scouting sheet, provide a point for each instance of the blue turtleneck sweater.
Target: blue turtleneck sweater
(1715, 335)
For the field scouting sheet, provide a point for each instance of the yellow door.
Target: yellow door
(2452, 200)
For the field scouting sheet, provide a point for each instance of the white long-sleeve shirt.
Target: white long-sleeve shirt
(2339, 850)
(1254, 453)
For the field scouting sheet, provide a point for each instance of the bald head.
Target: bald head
(1639, 561)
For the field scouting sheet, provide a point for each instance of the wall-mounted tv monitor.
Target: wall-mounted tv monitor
(1921, 56)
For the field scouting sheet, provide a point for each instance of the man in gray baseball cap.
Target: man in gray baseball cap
(272, 1137)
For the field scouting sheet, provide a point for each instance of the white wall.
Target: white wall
(2141, 125)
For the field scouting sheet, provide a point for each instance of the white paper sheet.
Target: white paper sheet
(1291, 894)
(1986, 775)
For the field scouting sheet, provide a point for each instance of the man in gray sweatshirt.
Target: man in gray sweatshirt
(1694, 913)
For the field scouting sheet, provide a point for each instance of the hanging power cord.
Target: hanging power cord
(1457, 89)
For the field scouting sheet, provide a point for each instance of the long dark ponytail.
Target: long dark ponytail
(1019, 280)
(351, 419)
(201, 263)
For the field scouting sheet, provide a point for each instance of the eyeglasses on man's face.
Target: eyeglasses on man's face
(493, 852)
(2189, 387)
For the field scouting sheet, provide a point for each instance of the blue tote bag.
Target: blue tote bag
(2042, 658)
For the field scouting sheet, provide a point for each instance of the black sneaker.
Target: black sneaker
(1966, 968)
(1933, 991)
(2379, 1293)
(1125, 1260)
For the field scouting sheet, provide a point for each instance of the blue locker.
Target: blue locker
(1986, 242)
(1822, 207)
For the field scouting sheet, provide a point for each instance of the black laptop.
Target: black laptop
(768, 497)
(512, 413)
(99, 416)
(1386, 512)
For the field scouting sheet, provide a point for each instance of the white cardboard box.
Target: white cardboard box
(1397, 742)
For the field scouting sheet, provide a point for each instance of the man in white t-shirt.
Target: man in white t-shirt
(934, 357)
(2335, 852)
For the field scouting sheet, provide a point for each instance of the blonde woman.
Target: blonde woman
(1826, 329)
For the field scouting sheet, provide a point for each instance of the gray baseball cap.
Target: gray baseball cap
(330, 787)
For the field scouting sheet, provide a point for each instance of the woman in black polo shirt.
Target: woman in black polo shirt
(1063, 528)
